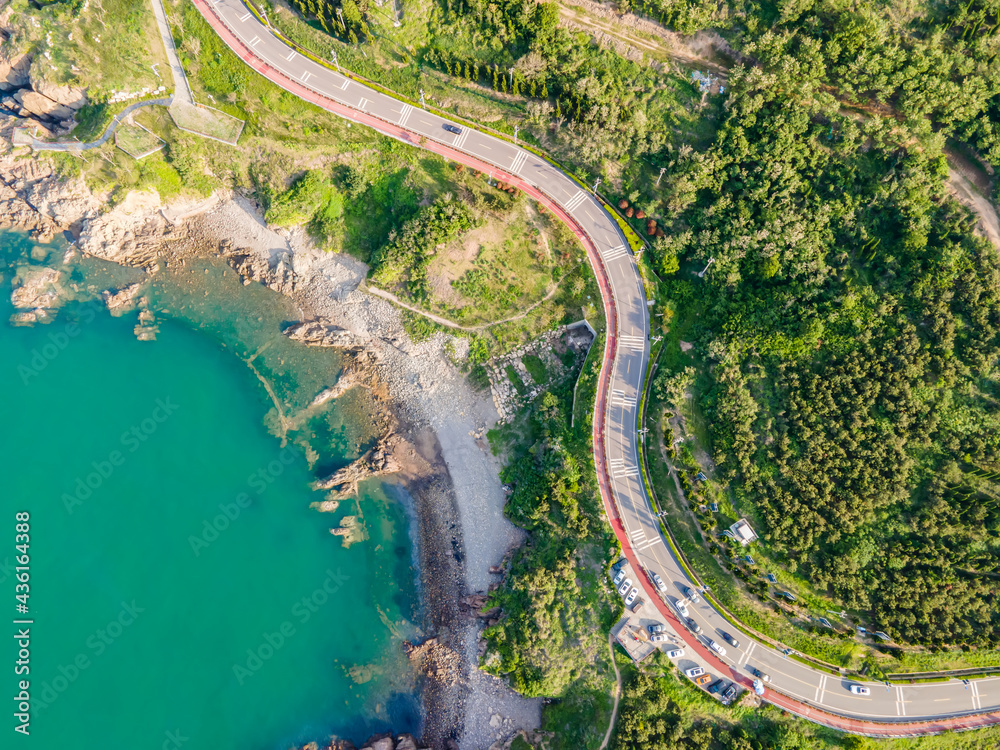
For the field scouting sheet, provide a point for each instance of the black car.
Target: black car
(691, 594)
(452, 128)
(716, 687)
(693, 625)
(730, 640)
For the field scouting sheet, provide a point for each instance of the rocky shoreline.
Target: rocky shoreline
(433, 416)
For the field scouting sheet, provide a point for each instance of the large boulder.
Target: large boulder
(41, 106)
(14, 71)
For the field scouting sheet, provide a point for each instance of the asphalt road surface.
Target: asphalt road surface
(626, 355)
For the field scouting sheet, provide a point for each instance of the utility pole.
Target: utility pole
(594, 189)
(422, 102)
(395, 10)
(333, 52)
(516, 128)
(340, 15)
(662, 170)
(511, 71)
(702, 274)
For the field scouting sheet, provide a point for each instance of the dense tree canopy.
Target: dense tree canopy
(854, 326)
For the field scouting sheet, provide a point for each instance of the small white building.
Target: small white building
(742, 532)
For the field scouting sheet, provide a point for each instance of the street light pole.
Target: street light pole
(516, 128)
(511, 71)
(335, 62)
(594, 189)
(662, 170)
(422, 102)
(340, 15)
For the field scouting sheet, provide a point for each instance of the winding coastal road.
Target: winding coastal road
(896, 710)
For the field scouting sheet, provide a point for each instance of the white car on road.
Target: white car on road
(717, 648)
(677, 653)
(860, 690)
(682, 609)
(659, 583)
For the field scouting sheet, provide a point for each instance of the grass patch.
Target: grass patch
(536, 368)
(208, 122)
(136, 141)
(515, 379)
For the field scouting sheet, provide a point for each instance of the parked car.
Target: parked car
(730, 693)
(634, 606)
(716, 687)
(717, 648)
(703, 680)
(620, 576)
(452, 128)
(659, 583)
(656, 627)
(623, 589)
(694, 626)
(860, 690)
(677, 653)
(762, 676)
(694, 672)
(691, 594)
(658, 638)
(730, 640)
(631, 596)
(683, 610)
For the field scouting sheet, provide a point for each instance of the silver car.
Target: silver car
(620, 576)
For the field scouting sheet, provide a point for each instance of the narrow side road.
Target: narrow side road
(618, 692)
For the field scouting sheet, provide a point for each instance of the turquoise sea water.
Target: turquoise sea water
(183, 593)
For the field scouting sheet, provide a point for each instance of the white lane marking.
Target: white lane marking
(306, 75)
(343, 86)
(244, 18)
(291, 56)
(255, 41)
(363, 103)
(519, 161)
(575, 201)
(746, 654)
(620, 469)
(614, 252)
(618, 398)
(633, 342)
(638, 536)
(900, 703)
(821, 688)
(459, 142)
(407, 108)
(977, 701)
(650, 543)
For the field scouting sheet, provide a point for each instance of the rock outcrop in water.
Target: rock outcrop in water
(379, 460)
(375, 742)
(322, 332)
(278, 276)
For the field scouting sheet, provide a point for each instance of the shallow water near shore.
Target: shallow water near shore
(183, 593)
